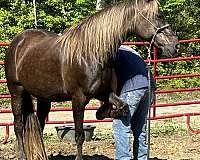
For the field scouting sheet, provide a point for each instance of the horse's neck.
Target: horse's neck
(116, 25)
(97, 38)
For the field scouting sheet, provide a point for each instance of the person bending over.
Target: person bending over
(132, 87)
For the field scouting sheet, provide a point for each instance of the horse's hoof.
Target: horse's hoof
(103, 112)
(118, 113)
(99, 116)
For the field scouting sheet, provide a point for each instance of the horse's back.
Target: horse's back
(31, 52)
(28, 38)
(21, 42)
(32, 35)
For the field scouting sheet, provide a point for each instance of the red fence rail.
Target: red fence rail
(154, 107)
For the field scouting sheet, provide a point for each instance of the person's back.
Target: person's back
(129, 64)
(132, 87)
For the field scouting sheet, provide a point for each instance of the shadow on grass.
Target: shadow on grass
(86, 157)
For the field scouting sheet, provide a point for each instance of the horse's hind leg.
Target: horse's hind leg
(19, 101)
(16, 102)
(43, 108)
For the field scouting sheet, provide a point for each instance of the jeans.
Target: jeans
(135, 122)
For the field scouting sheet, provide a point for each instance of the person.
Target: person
(132, 87)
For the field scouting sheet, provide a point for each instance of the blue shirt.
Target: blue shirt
(131, 70)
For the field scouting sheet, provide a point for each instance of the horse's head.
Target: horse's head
(151, 26)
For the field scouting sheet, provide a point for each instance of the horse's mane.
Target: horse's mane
(96, 38)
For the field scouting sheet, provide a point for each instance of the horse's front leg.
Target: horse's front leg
(78, 106)
(121, 108)
(107, 110)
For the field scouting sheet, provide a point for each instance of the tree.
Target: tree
(52, 15)
(183, 16)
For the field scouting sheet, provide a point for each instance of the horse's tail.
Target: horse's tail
(34, 146)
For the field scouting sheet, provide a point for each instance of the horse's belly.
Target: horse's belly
(40, 82)
(39, 87)
(39, 71)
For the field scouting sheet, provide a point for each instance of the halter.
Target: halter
(158, 30)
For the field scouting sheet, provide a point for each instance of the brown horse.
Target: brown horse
(75, 66)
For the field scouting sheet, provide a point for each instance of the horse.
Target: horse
(75, 66)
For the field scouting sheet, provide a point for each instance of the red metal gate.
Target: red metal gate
(154, 107)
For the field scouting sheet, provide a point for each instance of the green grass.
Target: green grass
(168, 127)
(159, 128)
(177, 97)
(50, 138)
(102, 134)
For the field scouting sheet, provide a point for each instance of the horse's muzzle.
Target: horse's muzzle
(171, 50)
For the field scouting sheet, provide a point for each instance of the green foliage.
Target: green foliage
(57, 15)
(14, 18)
(175, 68)
(52, 15)
(183, 16)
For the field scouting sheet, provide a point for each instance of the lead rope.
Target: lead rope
(149, 86)
(149, 101)
(158, 30)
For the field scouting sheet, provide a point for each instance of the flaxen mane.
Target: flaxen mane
(97, 38)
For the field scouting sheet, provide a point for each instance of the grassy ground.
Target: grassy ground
(170, 139)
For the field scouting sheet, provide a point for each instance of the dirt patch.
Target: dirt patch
(102, 147)
(170, 148)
